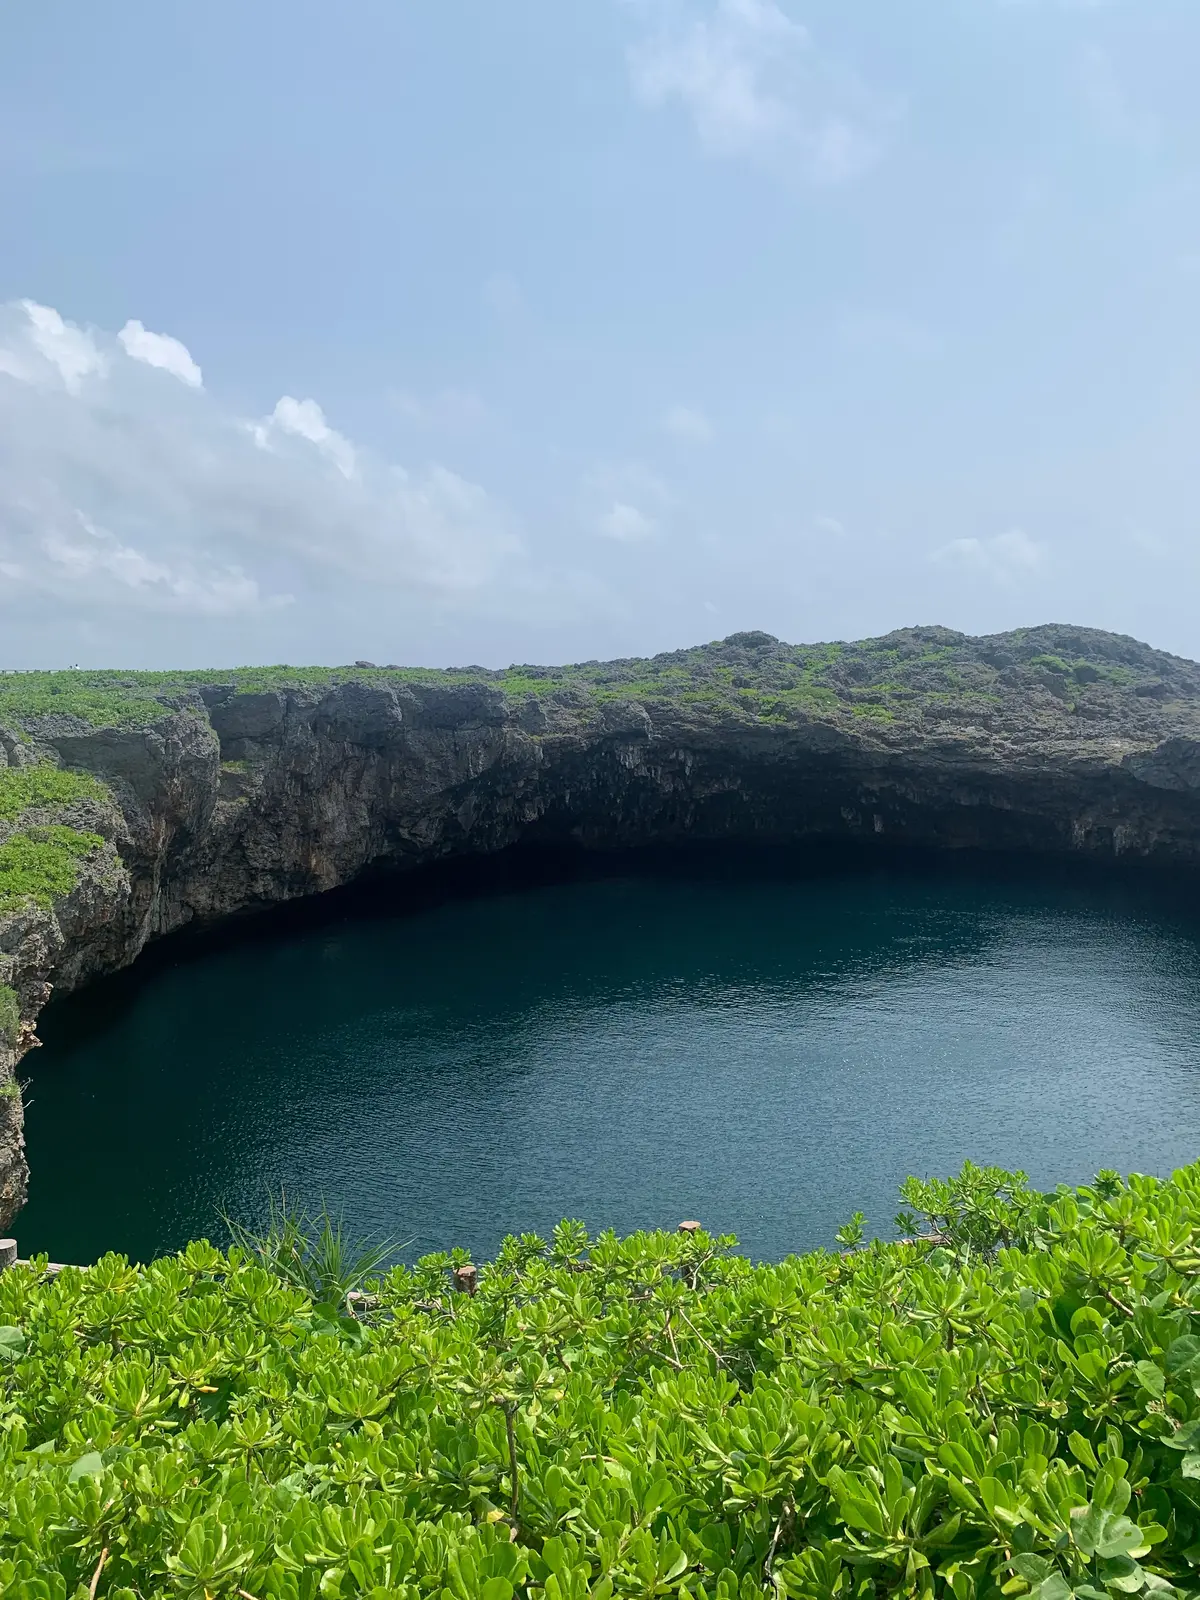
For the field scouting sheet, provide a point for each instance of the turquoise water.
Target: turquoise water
(765, 1053)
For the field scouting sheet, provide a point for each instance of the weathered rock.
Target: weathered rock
(237, 800)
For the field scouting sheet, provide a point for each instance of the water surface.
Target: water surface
(766, 1053)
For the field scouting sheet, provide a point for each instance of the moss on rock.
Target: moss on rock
(10, 1014)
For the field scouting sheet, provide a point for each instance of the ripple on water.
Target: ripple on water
(766, 1055)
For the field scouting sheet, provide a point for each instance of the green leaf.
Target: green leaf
(1034, 1569)
(859, 1512)
(1122, 1574)
(288, 1490)
(1100, 1532)
(677, 1568)
(1150, 1377)
(12, 1344)
(88, 1466)
(1086, 1320)
(1081, 1449)
(1182, 1353)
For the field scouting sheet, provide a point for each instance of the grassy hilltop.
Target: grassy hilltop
(1055, 685)
(910, 673)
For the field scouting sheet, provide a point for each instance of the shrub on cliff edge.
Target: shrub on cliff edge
(41, 785)
(40, 865)
(39, 857)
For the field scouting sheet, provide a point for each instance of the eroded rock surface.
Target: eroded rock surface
(1052, 740)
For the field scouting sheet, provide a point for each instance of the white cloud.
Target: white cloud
(681, 422)
(50, 351)
(160, 350)
(626, 502)
(626, 523)
(99, 556)
(304, 419)
(1006, 558)
(120, 493)
(829, 525)
(753, 84)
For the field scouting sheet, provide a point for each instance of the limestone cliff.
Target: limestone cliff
(228, 791)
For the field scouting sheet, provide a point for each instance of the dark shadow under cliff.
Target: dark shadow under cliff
(384, 892)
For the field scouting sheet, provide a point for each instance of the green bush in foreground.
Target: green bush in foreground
(311, 1253)
(1010, 1408)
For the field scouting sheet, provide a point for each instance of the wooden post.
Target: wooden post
(8, 1253)
(689, 1227)
(466, 1278)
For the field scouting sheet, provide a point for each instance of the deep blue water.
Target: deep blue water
(765, 1053)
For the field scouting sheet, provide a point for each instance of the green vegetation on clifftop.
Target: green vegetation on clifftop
(918, 673)
(39, 857)
(38, 786)
(39, 865)
(1009, 1405)
(103, 699)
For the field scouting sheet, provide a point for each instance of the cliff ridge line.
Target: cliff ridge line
(133, 804)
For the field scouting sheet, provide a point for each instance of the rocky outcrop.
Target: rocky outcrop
(233, 800)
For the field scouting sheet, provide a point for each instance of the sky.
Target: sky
(470, 333)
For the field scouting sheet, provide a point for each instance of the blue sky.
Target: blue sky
(547, 331)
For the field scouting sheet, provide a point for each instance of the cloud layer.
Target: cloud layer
(126, 487)
(1008, 559)
(754, 84)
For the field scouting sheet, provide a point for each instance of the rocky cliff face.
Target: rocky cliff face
(1054, 740)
